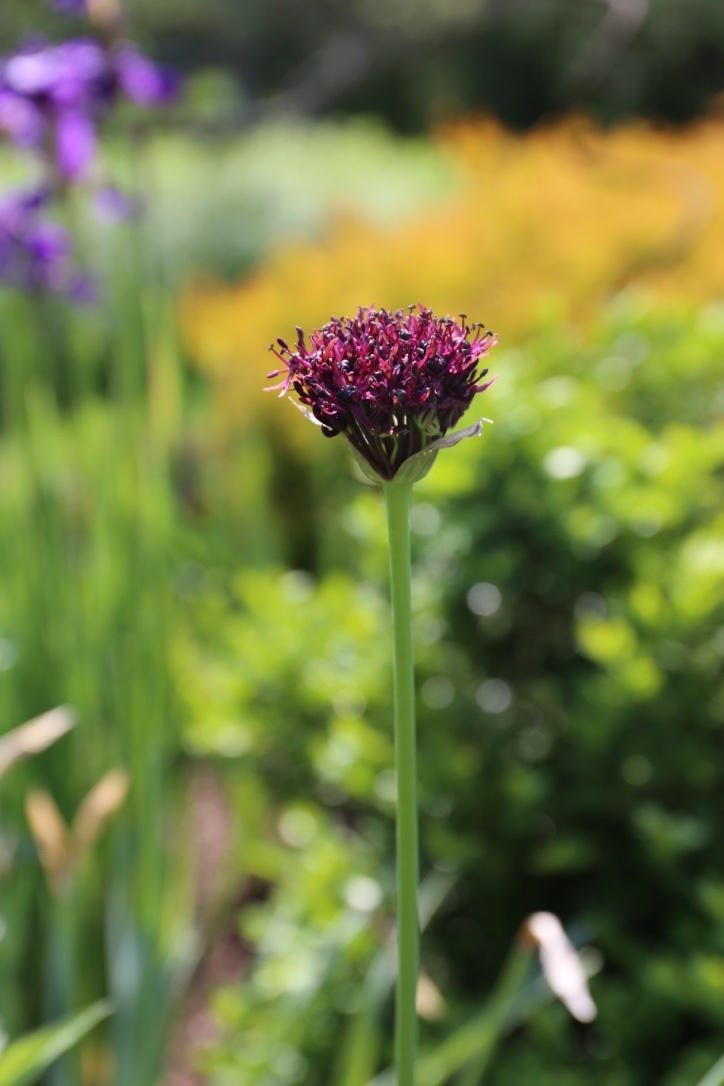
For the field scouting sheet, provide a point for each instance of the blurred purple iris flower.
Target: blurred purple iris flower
(52, 96)
(36, 253)
(141, 80)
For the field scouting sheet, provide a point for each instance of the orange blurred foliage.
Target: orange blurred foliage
(543, 226)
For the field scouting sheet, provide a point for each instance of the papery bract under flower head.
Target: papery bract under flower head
(393, 383)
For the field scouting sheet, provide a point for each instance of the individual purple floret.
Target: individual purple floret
(19, 119)
(36, 253)
(69, 7)
(112, 205)
(74, 73)
(392, 383)
(143, 81)
(53, 96)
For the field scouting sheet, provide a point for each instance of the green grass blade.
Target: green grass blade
(362, 1041)
(714, 1076)
(477, 1039)
(23, 1060)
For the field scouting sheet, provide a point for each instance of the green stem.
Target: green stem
(398, 501)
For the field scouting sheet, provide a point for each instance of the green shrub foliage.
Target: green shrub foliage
(569, 595)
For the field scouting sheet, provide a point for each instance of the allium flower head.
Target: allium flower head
(393, 384)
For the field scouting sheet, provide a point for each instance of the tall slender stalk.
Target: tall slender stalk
(393, 383)
(398, 500)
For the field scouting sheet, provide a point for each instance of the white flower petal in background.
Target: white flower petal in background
(562, 967)
(429, 1002)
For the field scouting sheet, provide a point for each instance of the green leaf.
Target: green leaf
(23, 1060)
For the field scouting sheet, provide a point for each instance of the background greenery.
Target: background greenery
(417, 62)
(195, 572)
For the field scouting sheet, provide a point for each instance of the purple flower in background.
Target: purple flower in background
(53, 96)
(20, 120)
(143, 81)
(53, 99)
(36, 253)
(392, 383)
(73, 73)
(113, 205)
(69, 7)
(75, 143)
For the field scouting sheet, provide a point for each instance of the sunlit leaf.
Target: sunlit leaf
(23, 1060)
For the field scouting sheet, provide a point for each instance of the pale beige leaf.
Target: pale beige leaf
(34, 736)
(103, 800)
(428, 999)
(52, 838)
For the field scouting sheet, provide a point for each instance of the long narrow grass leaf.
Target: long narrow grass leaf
(23, 1060)
(478, 1038)
(715, 1075)
(363, 1039)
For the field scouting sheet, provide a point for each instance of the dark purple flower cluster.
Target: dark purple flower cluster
(392, 383)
